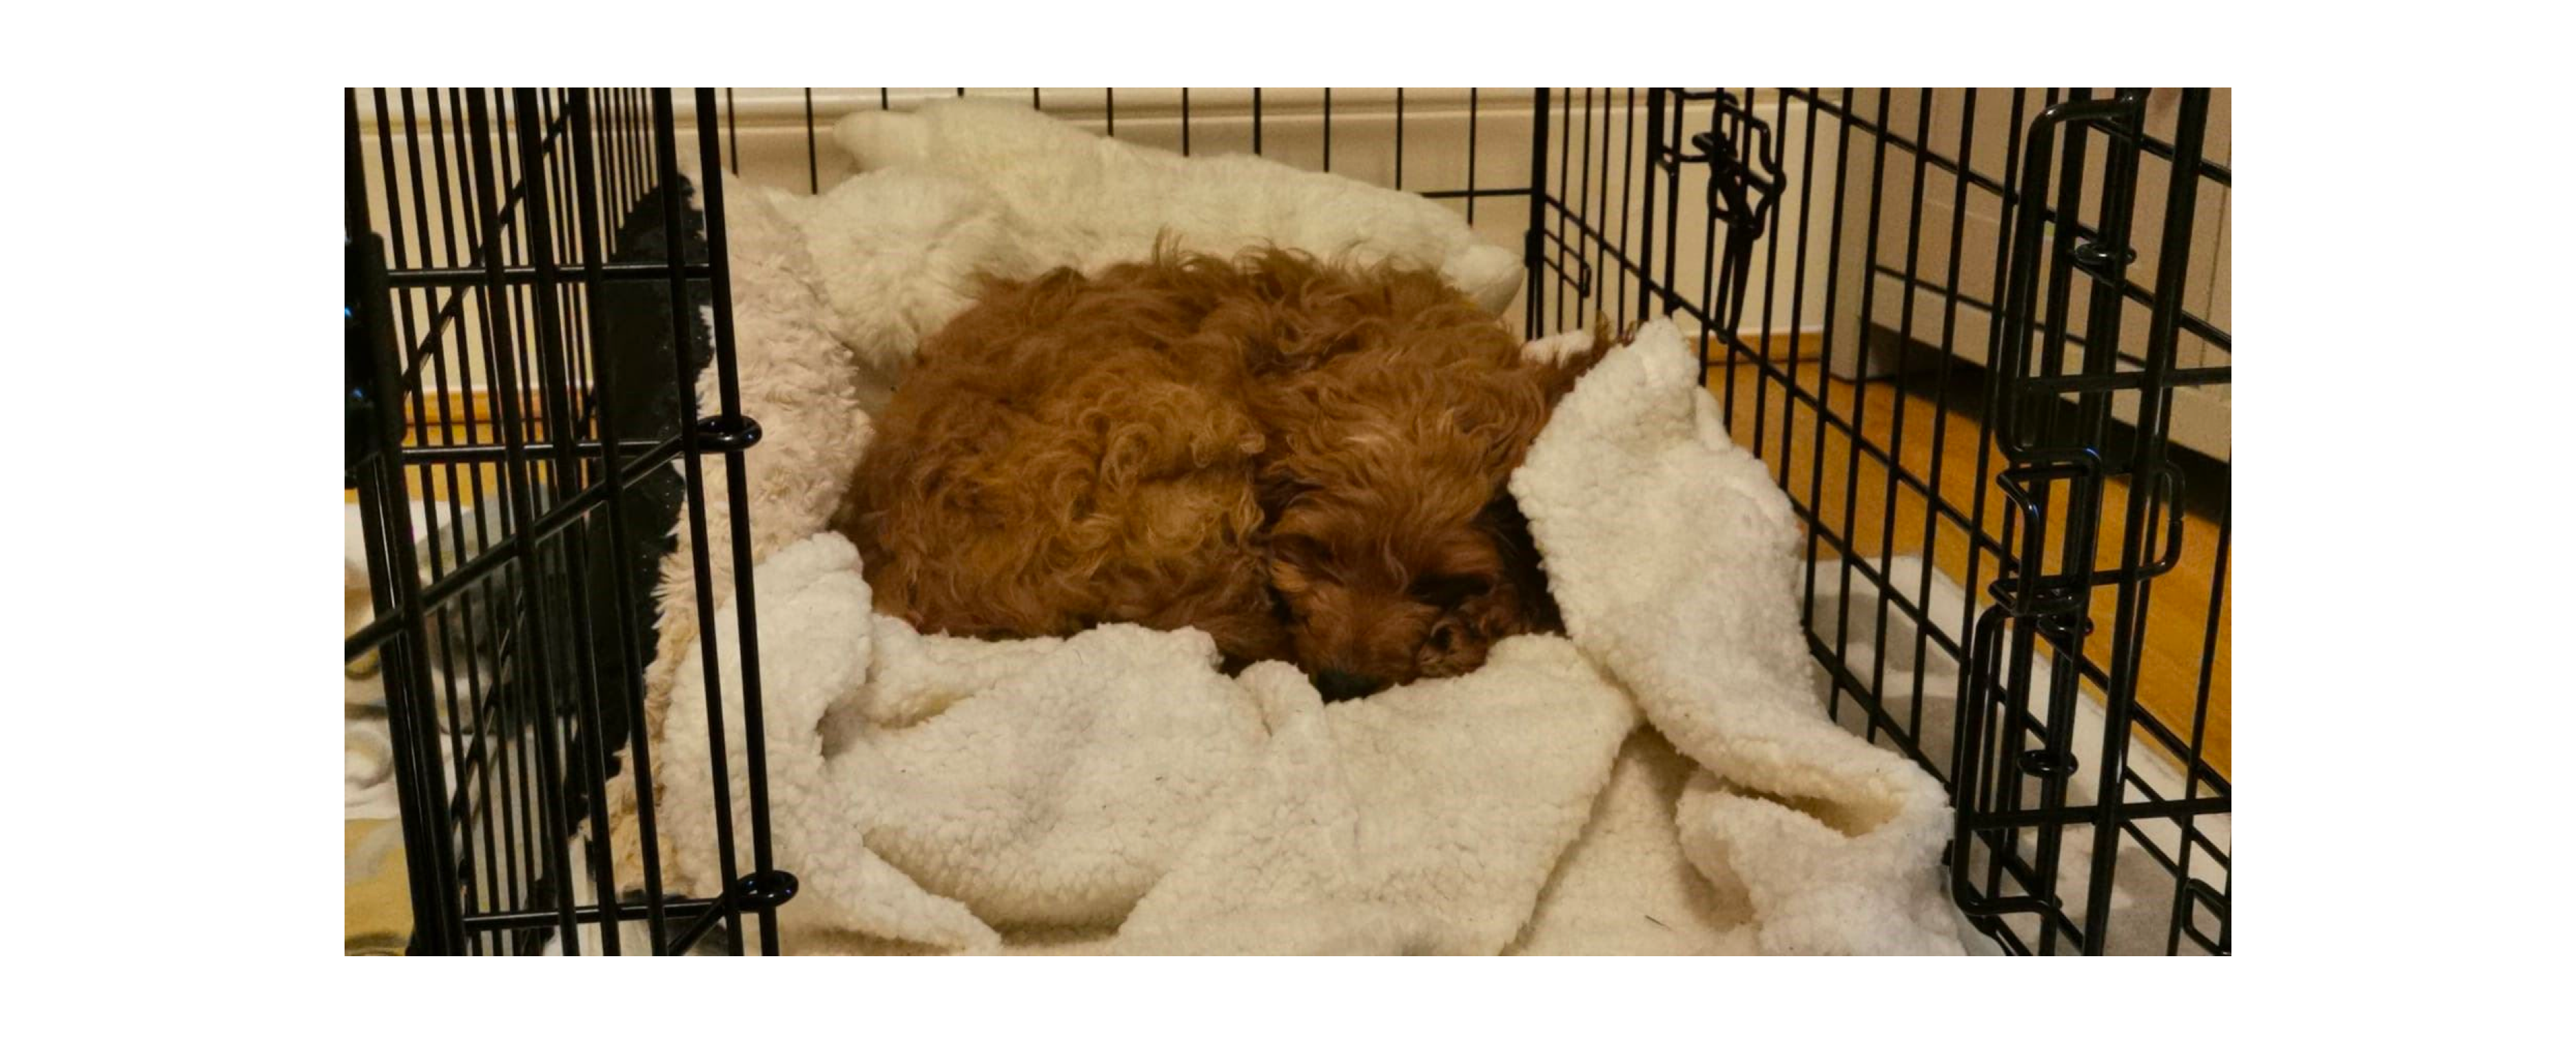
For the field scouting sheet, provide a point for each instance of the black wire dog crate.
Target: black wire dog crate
(1979, 336)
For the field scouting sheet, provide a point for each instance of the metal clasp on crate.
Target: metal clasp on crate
(2035, 596)
(1743, 178)
(1989, 707)
(2048, 601)
(1743, 162)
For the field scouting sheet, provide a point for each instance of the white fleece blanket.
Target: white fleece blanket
(1098, 200)
(1661, 780)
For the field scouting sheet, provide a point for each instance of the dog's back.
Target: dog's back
(1070, 451)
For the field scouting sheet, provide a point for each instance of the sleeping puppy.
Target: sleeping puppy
(1304, 460)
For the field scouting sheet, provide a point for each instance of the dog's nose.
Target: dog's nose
(1337, 685)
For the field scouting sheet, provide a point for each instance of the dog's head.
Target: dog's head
(1397, 410)
(1370, 604)
(1395, 551)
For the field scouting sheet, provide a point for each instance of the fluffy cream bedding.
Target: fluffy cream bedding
(1660, 780)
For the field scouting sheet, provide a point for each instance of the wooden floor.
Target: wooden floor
(2172, 671)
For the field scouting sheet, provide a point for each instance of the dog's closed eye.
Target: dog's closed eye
(1447, 591)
